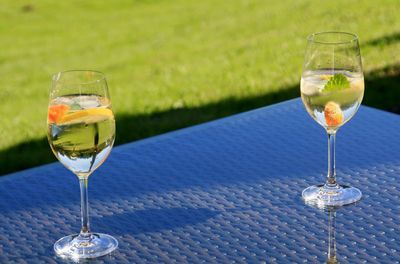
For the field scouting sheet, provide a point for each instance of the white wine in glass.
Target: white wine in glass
(332, 88)
(81, 132)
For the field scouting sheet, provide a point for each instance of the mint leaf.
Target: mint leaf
(337, 82)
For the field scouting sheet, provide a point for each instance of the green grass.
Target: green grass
(171, 64)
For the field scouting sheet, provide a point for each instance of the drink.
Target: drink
(81, 131)
(331, 108)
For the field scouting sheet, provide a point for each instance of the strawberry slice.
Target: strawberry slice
(333, 114)
(56, 112)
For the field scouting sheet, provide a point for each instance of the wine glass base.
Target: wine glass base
(324, 196)
(78, 247)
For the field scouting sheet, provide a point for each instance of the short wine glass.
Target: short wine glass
(81, 132)
(332, 88)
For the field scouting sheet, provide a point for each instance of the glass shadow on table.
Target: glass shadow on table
(138, 222)
(153, 220)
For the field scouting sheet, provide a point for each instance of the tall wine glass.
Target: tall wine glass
(81, 132)
(332, 88)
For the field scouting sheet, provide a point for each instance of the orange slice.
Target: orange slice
(333, 114)
(90, 115)
(56, 112)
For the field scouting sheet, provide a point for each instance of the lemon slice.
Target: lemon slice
(325, 77)
(90, 115)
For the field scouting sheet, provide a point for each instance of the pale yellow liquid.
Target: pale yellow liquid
(83, 137)
(315, 98)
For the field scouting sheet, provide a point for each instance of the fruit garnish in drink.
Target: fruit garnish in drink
(332, 99)
(90, 115)
(337, 82)
(56, 112)
(325, 77)
(333, 114)
(81, 132)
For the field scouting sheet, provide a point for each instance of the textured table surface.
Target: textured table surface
(228, 191)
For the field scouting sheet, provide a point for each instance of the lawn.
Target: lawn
(171, 64)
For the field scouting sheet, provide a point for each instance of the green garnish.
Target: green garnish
(337, 82)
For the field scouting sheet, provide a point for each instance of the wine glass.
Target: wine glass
(332, 88)
(81, 132)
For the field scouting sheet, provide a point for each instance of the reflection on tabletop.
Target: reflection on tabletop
(332, 257)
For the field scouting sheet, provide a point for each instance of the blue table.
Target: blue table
(228, 191)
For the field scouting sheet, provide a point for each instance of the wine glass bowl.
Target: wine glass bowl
(81, 133)
(332, 88)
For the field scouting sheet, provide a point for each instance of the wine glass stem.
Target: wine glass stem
(331, 178)
(85, 232)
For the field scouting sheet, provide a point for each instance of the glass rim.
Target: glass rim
(351, 37)
(101, 76)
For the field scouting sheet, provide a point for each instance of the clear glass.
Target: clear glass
(332, 88)
(81, 133)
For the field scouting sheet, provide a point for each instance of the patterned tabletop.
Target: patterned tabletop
(228, 191)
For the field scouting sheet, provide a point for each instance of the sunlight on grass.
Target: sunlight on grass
(162, 55)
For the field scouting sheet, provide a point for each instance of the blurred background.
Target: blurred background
(175, 63)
